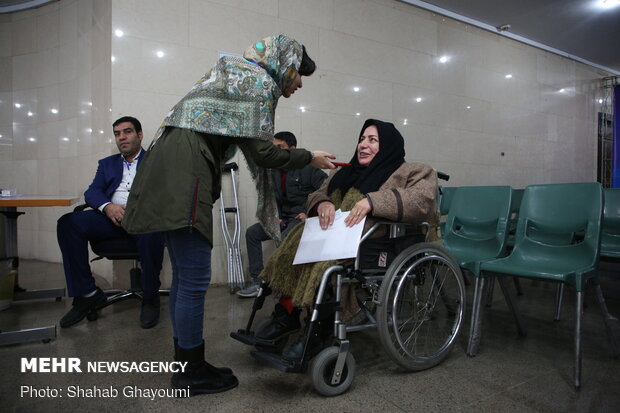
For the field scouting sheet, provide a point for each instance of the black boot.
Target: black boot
(199, 376)
(282, 324)
(223, 370)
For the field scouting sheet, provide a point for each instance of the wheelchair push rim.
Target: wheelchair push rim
(422, 305)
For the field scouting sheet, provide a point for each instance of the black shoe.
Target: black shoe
(320, 336)
(222, 370)
(282, 324)
(199, 376)
(294, 351)
(149, 314)
(81, 307)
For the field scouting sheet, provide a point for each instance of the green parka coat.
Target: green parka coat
(232, 106)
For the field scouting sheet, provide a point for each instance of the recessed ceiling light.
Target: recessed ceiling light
(54, 111)
(508, 76)
(600, 101)
(119, 33)
(356, 89)
(607, 4)
(444, 59)
(357, 114)
(562, 90)
(418, 100)
(30, 113)
(302, 108)
(467, 107)
(31, 139)
(404, 121)
(160, 54)
(64, 138)
(18, 105)
(113, 59)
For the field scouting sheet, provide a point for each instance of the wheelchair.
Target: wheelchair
(416, 301)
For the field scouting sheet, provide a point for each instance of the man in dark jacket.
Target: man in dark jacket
(107, 196)
(292, 190)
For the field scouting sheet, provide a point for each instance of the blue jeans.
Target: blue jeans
(190, 256)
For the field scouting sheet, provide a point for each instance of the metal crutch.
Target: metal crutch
(233, 252)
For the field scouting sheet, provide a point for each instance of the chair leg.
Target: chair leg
(559, 297)
(517, 283)
(489, 292)
(609, 319)
(476, 319)
(511, 300)
(578, 313)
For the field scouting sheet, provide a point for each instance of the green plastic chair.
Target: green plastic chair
(477, 223)
(515, 204)
(446, 193)
(610, 238)
(477, 230)
(558, 239)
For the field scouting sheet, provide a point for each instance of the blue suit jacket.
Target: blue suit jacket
(107, 179)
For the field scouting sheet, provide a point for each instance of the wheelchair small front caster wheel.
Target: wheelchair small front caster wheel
(322, 372)
(92, 316)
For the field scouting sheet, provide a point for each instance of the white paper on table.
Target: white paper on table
(334, 243)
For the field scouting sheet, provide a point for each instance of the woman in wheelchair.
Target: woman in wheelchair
(379, 185)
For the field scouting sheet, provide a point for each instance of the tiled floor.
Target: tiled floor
(511, 373)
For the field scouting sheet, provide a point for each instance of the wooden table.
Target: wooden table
(11, 204)
(37, 201)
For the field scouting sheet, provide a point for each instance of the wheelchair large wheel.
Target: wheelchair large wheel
(322, 370)
(422, 306)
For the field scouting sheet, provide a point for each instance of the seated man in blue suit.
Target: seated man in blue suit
(107, 195)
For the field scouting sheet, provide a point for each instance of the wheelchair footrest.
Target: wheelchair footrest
(277, 362)
(244, 336)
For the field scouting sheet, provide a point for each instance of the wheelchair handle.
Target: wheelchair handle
(230, 167)
(443, 176)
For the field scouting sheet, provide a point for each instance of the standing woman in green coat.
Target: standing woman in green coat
(232, 106)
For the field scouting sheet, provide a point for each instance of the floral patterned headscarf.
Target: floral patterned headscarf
(238, 98)
(279, 55)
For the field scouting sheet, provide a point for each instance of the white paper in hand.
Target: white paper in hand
(334, 243)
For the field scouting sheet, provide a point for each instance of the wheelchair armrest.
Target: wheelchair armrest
(395, 229)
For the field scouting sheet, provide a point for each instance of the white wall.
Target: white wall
(389, 49)
(56, 57)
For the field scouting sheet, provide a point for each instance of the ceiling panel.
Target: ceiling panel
(577, 27)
